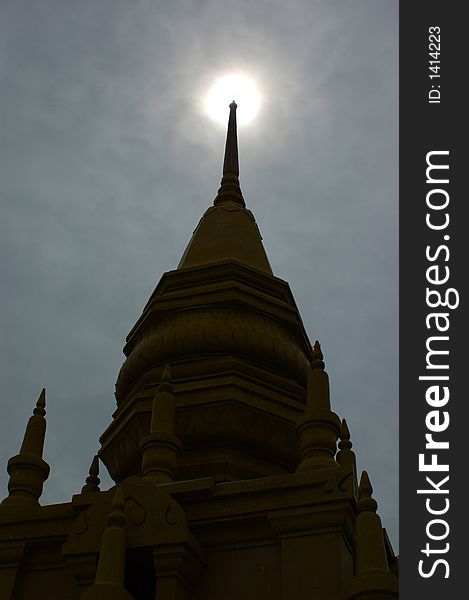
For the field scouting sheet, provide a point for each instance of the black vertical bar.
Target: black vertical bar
(432, 120)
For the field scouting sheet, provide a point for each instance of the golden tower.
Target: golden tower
(234, 478)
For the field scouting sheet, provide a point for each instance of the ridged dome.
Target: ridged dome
(217, 317)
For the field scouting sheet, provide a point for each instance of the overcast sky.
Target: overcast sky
(107, 163)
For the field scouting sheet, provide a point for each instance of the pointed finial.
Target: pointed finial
(110, 574)
(41, 404)
(117, 515)
(92, 481)
(34, 435)
(231, 163)
(229, 189)
(166, 383)
(163, 410)
(318, 427)
(345, 445)
(161, 447)
(317, 392)
(118, 499)
(345, 455)
(317, 359)
(365, 490)
(28, 471)
(372, 579)
(344, 435)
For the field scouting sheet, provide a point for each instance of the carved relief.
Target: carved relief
(152, 515)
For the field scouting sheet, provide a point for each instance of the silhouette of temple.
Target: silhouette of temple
(233, 477)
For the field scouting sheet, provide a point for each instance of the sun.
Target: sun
(240, 88)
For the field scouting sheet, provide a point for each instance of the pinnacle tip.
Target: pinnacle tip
(365, 488)
(166, 373)
(344, 430)
(317, 349)
(118, 500)
(94, 468)
(42, 398)
(317, 358)
(40, 408)
(166, 381)
(117, 515)
(231, 162)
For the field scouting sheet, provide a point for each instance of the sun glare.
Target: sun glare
(242, 90)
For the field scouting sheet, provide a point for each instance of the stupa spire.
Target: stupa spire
(318, 427)
(34, 435)
(228, 230)
(372, 579)
(345, 455)
(28, 471)
(110, 574)
(231, 162)
(161, 447)
(229, 189)
(92, 481)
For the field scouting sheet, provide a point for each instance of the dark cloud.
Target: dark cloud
(106, 165)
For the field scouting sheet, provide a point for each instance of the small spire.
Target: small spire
(365, 490)
(317, 358)
(231, 162)
(229, 189)
(161, 447)
(166, 383)
(28, 471)
(345, 435)
(346, 456)
(163, 409)
(110, 574)
(117, 515)
(372, 579)
(318, 427)
(92, 481)
(317, 393)
(34, 435)
(40, 409)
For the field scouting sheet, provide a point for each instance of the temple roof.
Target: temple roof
(227, 230)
